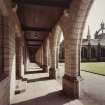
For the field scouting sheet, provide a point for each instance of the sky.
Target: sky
(95, 17)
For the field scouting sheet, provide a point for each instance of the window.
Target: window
(84, 52)
(93, 52)
(102, 52)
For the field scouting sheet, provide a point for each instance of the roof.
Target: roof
(94, 42)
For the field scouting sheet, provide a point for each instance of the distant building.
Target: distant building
(92, 50)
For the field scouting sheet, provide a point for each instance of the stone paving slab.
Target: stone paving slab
(49, 92)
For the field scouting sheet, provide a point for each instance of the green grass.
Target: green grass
(97, 67)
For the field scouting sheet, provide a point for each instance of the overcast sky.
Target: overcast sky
(95, 17)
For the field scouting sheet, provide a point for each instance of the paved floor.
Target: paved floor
(92, 87)
(43, 91)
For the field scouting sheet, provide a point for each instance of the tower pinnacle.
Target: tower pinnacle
(102, 25)
(88, 34)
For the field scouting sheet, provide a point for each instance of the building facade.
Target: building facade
(93, 50)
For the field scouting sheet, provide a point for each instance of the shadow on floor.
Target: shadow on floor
(32, 72)
(56, 98)
(38, 79)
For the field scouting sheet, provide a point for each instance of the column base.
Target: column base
(45, 68)
(20, 86)
(52, 73)
(71, 86)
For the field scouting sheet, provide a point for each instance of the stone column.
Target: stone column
(1, 45)
(21, 82)
(57, 56)
(70, 81)
(18, 58)
(45, 56)
(72, 23)
(25, 58)
(4, 46)
(52, 70)
(48, 54)
(22, 58)
(41, 63)
(58, 35)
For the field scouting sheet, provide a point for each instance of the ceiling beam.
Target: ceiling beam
(31, 48)
(33, 45)
(51, 3)
(26, 28)
(35, 40)
(36, 47)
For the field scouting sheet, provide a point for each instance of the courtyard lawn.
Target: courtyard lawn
(97, 67)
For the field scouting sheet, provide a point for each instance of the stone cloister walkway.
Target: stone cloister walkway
(41, 90)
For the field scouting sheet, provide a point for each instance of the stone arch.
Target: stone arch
(72, 23)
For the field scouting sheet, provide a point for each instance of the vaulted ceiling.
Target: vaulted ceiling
(38, 17)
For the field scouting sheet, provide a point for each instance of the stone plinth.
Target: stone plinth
(45, 69)
(52, 73)
(70, 86)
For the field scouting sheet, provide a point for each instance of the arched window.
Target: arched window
(102, 52)
(93, 52)
(84, 52)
